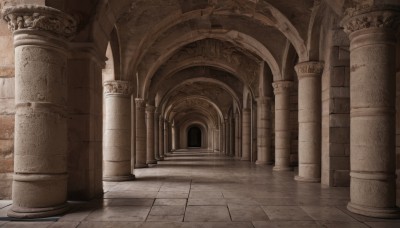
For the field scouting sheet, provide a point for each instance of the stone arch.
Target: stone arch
(197, 79)
(247, 42)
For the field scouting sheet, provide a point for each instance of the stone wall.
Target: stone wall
(7, 111)
(335, 104)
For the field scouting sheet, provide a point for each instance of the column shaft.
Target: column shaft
(161, 137)
(141, 134)
(282, 126)
(237, 137)
(40, 137)
(117, 131)
(372, 116)
(264, 153)
(309, 74)
(246, 134)
(156, 136)
(150, 134)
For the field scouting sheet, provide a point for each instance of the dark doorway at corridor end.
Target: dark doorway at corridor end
(194, 137)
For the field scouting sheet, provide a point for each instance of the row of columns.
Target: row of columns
(41, 116)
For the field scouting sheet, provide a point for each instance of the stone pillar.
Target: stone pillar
(117, 131)
(150, 134)
(246, 134)
(216, 139)
(264, 153)
(166, 139)
(40, 144)
(227, 149)
(237, 136)
(156, 136)
(173, 137)
(372, 32)
(282, 125)
(309, 75)
(161, 137)
(141, 134)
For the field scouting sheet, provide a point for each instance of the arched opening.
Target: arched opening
(194, 137)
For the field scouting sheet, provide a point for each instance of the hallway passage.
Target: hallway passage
(197, 188)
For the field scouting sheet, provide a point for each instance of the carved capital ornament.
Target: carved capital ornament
(387, 17)
(282, 86)
(118, 87)
(31, 17)
(309, 69)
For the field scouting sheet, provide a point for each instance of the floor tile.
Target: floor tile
(205, 194)
(167, 202)
(130, 194)
(167, 210)
(247, 213)
(172, 195)
(64, 225)
(129, 202)
(207, 214)
(286, 224)
(206, 202)
(327, 214)
(125, 213)
(286, 213)
(27, 224)
(86, 224)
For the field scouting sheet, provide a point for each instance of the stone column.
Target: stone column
(246, 134)
(161, 137)
(173, 137)
(372, 33)
(282, 125)
(216, 139)
(156, 137)
(141, 134)
(264, 153)
(309, 75)
(166, 139)
(237, 137)
(117, 131)
(40, 144)
(150, 134)
(227, 149)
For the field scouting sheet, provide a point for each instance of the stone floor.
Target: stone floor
(200, 189)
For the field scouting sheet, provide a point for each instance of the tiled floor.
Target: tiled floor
(199, 189)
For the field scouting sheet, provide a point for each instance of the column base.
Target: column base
(245, 159)
(282, 169)
(140, 166)
(374, 211)
(307, 179)
(237, 158)
(152, 162)
(161, 159)
(264, 162)
(119, 178)
(31, 213)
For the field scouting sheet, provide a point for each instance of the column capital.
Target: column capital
(282, 86)
(40, 18)
(380, 16)
(150, 108)
(118, 88)
(309, 69)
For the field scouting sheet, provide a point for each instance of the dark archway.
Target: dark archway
(194, 137)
